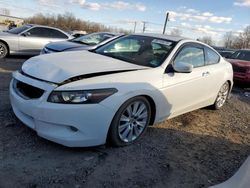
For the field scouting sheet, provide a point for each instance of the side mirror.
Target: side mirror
(183, 67)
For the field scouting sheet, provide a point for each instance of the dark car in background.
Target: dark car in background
(86, 42)
(224, 52)
(240, 61)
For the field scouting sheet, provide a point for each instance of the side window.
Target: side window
(35, 32)
(45, 33)
(212, 57)
(191, 55)
(56, 34)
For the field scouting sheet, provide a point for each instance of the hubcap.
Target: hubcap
(222, 96)
(133, 121)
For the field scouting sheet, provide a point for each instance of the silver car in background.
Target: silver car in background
(29, 39)
(86, 42)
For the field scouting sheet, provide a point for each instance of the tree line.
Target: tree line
(68, 22)
(241, 41)
(232, 40)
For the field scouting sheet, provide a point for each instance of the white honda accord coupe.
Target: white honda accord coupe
(86, 98)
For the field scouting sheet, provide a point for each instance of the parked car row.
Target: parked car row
(130, 81)
(29, 39)
(35, 39)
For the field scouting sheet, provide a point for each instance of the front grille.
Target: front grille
(27, 91)
(239, 69)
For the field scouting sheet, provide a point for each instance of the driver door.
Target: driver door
(187, 91)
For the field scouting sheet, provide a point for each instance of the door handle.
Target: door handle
(206, 73)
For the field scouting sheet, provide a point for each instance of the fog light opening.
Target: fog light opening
(73, 129)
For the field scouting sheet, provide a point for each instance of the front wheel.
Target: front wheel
(130, 121)
(3, 50)
(222, 96)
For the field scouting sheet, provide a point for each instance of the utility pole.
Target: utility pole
(144, 26)
(165, 24)
(135, 27)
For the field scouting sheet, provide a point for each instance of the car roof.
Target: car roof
(244, 50)
(33, 25)
(162, 36)
(37, 25)
(109, 33)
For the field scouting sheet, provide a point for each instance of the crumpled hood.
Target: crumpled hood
(239, 63)
(58, 67)
(63, 45)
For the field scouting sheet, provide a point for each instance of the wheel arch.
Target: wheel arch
(230, 82)
(152, 117)
(153, 108)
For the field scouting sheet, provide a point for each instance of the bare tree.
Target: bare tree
(69, 22)
(239, 42)
(206, 39)
(246, 37)
(176, 32)
(228, 39)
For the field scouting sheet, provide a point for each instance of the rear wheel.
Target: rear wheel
(130, 121)
(3, 50)
(222, 96)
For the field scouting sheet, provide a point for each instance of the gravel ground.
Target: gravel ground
(195, 150)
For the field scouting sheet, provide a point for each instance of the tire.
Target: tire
(3, 50)
(222, 96)
(130, 122)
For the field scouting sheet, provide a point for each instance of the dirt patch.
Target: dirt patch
(198, 149)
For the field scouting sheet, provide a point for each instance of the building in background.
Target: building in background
(6, 19)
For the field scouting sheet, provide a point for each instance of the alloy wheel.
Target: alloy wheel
(222, 95)
(133, 121)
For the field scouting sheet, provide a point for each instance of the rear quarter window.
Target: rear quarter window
(211, 57)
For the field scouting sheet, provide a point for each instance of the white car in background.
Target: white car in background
(83, 98)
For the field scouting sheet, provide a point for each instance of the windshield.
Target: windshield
(241, 55)
(93, 39)
(139, 50)
(18, 30)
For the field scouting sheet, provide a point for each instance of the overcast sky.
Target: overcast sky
(195, 18)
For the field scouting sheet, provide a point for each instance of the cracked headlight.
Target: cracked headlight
(81, 97)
